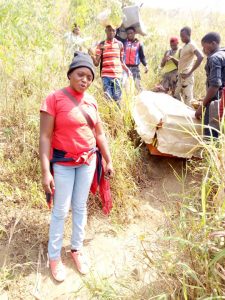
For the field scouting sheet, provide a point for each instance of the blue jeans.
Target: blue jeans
(72, 186)
(112, 88)
(136, 76)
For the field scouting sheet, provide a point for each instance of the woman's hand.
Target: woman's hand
(48, 183)
(109, 172)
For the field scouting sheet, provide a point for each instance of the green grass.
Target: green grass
(194, 261)
(32, 64)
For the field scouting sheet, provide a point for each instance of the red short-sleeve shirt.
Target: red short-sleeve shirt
(72, 133)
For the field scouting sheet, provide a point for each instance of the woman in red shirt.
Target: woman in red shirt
(70, 129)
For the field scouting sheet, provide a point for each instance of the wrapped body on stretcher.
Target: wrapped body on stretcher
(167, 125)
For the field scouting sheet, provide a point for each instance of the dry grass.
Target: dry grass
(31, 40)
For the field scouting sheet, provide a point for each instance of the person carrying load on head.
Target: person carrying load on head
(134, 55)
(109, 55)
(169, 64)
(186, 66)
(121, 34)
(215, 81)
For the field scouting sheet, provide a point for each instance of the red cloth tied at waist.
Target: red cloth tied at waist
(80, 159)
(99, 180)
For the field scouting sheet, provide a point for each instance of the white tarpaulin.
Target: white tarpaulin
(176, 134)
(132, 18)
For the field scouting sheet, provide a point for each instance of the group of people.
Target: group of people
(119, 58)
(72, 138)
(179, 65)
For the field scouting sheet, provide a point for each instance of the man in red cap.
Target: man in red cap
(169, 64)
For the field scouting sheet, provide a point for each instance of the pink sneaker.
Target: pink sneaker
(57, 269)
(80, 262)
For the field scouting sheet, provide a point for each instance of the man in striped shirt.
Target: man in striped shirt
(109, 54)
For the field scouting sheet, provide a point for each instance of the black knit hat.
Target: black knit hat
(80, 60)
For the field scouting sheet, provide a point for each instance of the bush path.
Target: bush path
(119, 265)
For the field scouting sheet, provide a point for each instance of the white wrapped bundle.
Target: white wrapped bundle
(132, 18)
(103, 17)
(178, 128)
(110, 16)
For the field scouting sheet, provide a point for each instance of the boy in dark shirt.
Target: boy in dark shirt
(215, 73)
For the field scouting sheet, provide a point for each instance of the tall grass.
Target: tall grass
(32, 64)
(192, 266)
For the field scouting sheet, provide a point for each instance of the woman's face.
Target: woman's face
(80, 79)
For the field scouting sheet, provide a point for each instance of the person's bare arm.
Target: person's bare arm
(125, 68)
(46, 130)
(196, 65)
(175, 60)
(96, 58)
(164, 60)
(211, 92)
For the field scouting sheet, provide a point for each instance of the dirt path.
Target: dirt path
(118, 263)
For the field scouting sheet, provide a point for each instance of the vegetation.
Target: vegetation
(32, 64)
(192, 266)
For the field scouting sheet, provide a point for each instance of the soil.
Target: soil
(115, 252)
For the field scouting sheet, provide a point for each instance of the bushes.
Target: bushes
(33, 43)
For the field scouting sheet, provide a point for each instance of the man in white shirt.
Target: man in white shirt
(74, 40)
(186, 66)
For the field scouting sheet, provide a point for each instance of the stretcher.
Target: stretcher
(154, 151)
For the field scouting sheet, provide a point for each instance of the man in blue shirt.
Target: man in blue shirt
(215, 73)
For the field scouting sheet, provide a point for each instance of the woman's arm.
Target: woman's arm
(104, 148)
(46, 130)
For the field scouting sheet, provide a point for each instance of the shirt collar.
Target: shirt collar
(74, 93)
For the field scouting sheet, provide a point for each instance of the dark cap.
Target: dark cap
(80, 60)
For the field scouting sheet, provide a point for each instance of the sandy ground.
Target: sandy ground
(115, 253)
